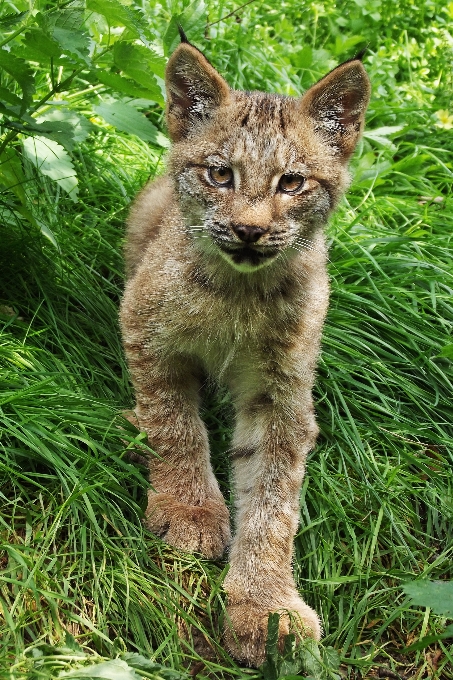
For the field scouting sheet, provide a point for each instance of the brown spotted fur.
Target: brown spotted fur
(250, 322)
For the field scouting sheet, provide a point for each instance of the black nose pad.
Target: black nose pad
(248, 233)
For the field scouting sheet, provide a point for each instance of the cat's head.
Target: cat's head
(257, 173)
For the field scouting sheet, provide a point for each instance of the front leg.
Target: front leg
(185, 505)
(273, 435)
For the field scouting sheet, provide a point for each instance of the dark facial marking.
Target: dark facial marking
(242, 452)
(245, 119)
(282, 120)
(326, 185)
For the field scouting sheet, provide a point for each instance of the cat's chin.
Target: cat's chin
(246, 259)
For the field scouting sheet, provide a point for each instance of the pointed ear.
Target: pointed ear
(194, 90)
(337, 105)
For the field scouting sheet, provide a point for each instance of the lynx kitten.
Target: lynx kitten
(227, 279)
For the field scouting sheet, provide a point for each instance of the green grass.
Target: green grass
(377, 503)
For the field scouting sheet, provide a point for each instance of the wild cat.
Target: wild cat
(226, 264)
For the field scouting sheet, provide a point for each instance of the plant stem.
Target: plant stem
(13, 35)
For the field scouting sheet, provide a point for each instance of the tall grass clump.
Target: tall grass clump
(85, 590)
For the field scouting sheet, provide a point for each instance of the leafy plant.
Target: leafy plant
(70, 660)
(66, 71)
(308, 657)
(438, 596)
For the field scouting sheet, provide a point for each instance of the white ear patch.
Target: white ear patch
(337, 105)
(194, 90)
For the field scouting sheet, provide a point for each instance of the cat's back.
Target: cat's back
(145, 220)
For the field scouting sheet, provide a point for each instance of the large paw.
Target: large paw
(246, 627)
(194, 528)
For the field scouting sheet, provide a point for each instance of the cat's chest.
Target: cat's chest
(220, 329)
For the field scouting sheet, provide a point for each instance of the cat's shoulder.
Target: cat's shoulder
(146, 215)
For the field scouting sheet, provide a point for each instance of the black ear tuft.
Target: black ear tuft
(359, 56)
(182, 35)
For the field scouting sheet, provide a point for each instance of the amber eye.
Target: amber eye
(290, 184)
(221, 176)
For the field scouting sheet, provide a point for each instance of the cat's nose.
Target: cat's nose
(248, 232)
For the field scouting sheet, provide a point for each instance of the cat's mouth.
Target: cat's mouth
(248, 258)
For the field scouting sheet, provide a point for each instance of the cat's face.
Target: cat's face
(257, 173)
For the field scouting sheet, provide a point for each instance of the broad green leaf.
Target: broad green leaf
(381, 135)
(58, 130)
(271, 666)
(438, 595)
(52, 160)
(116, 669)
(12, 19)
(385, 131)
(10, 97)
(67, 121)
(128, 119)
(345, 44)
(193, 20)
(331, 658)
(70, 18)
(141, 663)
(310, 657)
(139, 63)
(171, 38)
(116, 14)
(11, 111)
(69, 31)
(40, 46)
(303, 58)
(290, 664)
(12, 175)
(73, 43)
(380, 168)
(21, 72)
(61, 32)
(273, 624)
(289, 645)
(126, 86)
